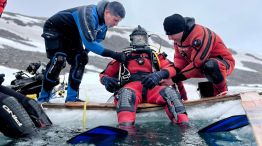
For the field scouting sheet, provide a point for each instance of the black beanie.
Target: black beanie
(174, 24)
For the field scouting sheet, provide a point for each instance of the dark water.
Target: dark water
(151, 129)
(144, 134)
(165, 133)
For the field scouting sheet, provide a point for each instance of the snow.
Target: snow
(37, 47)
(9, 74)
(240, 57)
(216, 111)
(25, 19)
(123, 35)
(30, 34)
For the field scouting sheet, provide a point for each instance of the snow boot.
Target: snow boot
(181, 119)
(131, 129)
(72, 95)
(44, 96)
(220, 89)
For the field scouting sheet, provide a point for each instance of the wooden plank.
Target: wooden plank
(210, 100)
(252, 104)
(141, 107)
(100, 106)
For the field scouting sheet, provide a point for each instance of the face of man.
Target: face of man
(111, 20)
(176, 37)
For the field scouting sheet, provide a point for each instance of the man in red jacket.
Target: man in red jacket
(2, 6)
(138, 81)
(199, 52)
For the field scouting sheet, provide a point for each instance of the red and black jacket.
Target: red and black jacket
(199, 44)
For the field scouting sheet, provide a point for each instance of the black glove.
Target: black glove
(178, 78)
(111, 84)
(153, 79)
(2, 78)
(119, 56)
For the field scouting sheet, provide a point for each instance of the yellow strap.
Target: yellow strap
(84, 113)
(158, 61)
(32, 96)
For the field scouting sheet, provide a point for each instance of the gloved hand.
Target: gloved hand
(111, 84)
(178, 78)
(120, 57)
(2, 78)
(153, 79)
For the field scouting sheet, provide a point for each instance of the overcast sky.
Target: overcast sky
(238, 22)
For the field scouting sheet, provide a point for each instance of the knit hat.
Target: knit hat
(174, 24)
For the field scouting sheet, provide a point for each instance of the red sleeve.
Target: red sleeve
(200, 53)
(2, 5)
(111, 70)
(182, 90)
(179, 60)
(167, 65)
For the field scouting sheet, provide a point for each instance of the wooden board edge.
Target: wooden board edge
(141, 107)
(248, 101)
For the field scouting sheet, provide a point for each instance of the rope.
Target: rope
(84, 113)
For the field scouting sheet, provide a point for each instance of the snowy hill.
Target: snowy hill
(21, 44)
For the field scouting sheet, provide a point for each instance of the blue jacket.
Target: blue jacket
(86, 21)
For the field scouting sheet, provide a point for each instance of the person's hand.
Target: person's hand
(120, 57)
(179, 77)
(167, 82)
(111, 84)
(153, 79)
(2, 78)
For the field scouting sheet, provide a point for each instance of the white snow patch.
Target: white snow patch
(9, 74)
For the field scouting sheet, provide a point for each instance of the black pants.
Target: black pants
(71, 46)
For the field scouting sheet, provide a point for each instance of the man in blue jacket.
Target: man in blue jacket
(66, 32)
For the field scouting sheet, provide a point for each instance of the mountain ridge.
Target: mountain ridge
(17, 45)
